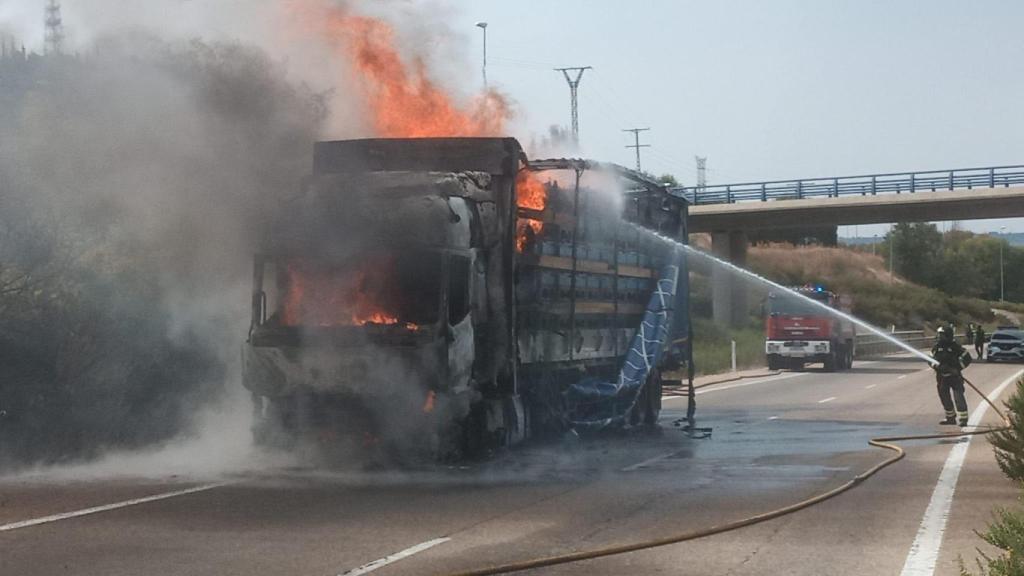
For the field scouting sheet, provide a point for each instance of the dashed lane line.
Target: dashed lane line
(770, 379)
(382, 562)
(829, 399)
(107, 507)
(649, 461)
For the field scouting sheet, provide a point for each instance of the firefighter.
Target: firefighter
(952, 358)
(979, 341)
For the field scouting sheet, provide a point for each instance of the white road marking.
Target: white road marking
(715, 388)
(829, 399)
(773, 417)
(382, 562)
(648, 462)
(870, 386)
(107, 507)
(924, 552)
(901, 377)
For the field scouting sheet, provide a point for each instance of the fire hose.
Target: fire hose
(882, 442)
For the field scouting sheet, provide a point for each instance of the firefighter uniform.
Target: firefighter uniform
(952, 359)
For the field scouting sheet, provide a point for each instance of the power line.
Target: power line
(574, 84)
(636, 145)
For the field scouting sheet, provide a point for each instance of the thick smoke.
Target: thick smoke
(134, 183)
(137, 174)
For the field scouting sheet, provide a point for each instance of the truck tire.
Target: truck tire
(773, 363)
(831, 361)
(842, 357)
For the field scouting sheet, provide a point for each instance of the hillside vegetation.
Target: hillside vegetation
(877, 298)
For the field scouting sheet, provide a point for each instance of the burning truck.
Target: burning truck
(441, 293)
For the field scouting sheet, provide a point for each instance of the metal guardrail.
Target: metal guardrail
(876, 347)
(898, 334)
(869, 185)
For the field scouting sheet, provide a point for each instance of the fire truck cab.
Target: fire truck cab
(799, 332)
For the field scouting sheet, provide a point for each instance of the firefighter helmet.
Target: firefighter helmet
(944, 333)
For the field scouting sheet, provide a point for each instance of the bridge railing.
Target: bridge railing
(872, 184)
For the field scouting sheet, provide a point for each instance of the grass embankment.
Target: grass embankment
(712, 352)
(878, 298)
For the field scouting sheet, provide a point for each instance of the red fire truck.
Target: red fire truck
(798, 332)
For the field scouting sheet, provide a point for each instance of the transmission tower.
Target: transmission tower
(54, 28)
(574, 84)
(702, 172)
(636, 143)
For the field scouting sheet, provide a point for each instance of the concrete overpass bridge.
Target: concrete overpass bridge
(729, 211)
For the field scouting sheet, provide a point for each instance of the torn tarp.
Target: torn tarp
(595, 404)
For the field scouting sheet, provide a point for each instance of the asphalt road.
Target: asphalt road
(776, 440)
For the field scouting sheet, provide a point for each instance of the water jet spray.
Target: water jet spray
(788, 291)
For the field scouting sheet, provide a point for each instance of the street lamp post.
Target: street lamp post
(873, 244)
(1002, 229)
(892, 253)
(483, 26)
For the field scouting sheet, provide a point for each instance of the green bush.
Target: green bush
(1009, 443)
(1006, 532)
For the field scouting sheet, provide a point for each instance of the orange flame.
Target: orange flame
(317, 297)
(522, 235)
(428, 404)
(404, 101)
(532, 195)
(530, 192)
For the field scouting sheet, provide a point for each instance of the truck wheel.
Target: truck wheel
(773, 363)
(849, 357)
(842, 357)
(830, 362)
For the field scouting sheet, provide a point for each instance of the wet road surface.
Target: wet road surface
(776, 440)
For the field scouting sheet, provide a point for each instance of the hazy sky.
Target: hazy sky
(773, 89)
(764, 89)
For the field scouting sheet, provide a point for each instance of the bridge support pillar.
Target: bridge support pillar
(729, 293)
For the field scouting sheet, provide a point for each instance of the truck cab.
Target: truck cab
(799, 332)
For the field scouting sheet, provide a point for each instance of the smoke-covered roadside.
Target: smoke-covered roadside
(134, 183)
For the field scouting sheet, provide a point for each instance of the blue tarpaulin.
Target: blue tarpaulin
(596, 404)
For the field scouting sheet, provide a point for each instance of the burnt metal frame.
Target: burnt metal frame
(645, 184)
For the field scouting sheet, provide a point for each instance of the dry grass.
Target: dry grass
(826, 263)
(877, 298)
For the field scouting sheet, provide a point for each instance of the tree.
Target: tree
(916, 248)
